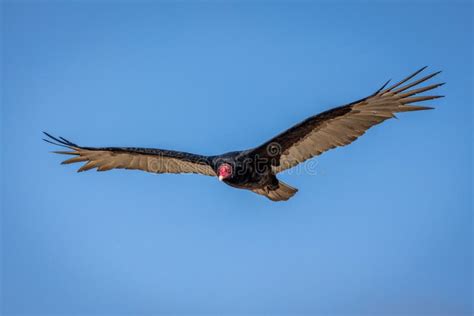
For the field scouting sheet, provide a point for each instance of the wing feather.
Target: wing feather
(342, 125)
(146, 159)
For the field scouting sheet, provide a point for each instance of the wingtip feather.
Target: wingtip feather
(411, 108)
(65, 152)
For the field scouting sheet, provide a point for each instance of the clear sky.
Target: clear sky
(384, 227)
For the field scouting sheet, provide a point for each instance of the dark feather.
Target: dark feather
(342, 125)
(146, 159)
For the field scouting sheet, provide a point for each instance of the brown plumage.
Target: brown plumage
(342, 125)
(146, 159)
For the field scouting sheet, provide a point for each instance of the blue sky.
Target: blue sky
(384, 227)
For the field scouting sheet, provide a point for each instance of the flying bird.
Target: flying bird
(255, 169)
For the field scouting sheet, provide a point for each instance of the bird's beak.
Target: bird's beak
(221, 178)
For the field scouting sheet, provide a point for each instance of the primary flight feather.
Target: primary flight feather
(255, 169)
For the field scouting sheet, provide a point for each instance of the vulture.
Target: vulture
(255, 169)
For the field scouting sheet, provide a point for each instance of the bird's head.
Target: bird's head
(224, 171)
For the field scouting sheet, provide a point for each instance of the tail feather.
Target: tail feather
(282, 193)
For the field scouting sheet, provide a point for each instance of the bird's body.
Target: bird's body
(256, 169)
(248, 172)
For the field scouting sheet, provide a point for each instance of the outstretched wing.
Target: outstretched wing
(146, 159)
(342, 125)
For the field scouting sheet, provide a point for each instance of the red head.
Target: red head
(224, 171)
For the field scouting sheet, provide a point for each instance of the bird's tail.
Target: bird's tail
(282, 193)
